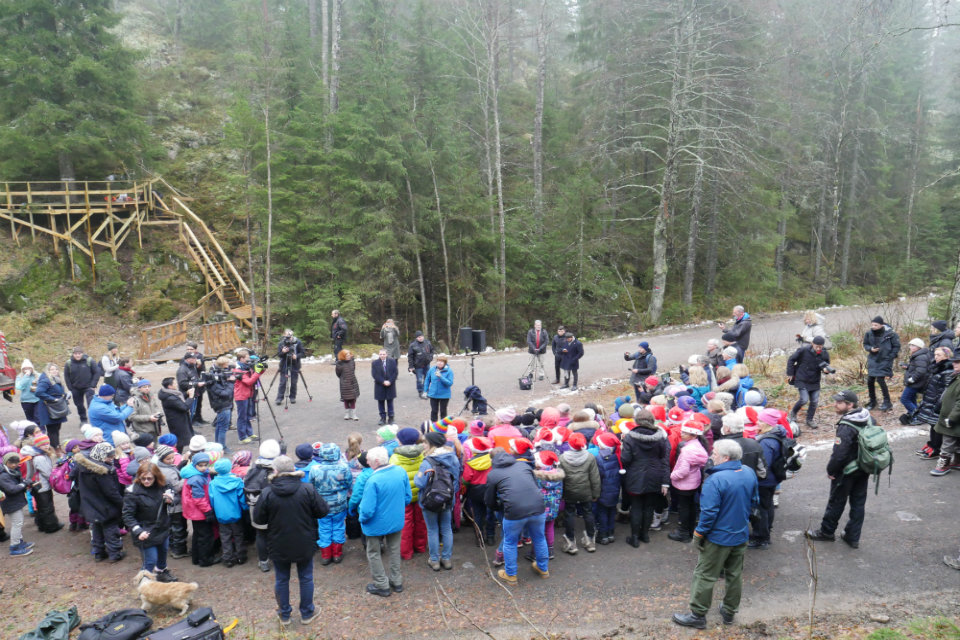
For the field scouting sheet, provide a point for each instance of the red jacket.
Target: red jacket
(245, 386)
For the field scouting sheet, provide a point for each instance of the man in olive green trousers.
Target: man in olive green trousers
(726, 499)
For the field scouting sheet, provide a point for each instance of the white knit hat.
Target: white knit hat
(269, 449)
(26, 363)
(197, 443)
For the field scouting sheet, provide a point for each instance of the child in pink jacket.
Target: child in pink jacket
(686, 477)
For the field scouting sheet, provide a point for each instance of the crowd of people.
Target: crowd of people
(697, 452)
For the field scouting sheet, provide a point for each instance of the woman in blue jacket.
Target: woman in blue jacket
(437, 386)
(49, 388)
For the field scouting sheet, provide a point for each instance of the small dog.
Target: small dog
(158, 594)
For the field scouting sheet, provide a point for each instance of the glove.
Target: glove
(210, 517)
(830, 370)
(699, 541)
(261, 366)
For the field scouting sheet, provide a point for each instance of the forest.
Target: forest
(608, 164)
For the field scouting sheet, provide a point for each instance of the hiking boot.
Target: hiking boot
(953, 563)
(446, 564)
(569, 546)
(811, 424)
(164, 575)
(943, 466)
(871, 405)
(633, 541)
(434, 564)
(680, 535)
(589, 542)
(690, 620)
(725, 615)
(502, 574)
(816, 534)
(853, 544)
(886, 406)
(374, 590)
(264, 565)
(540, 572)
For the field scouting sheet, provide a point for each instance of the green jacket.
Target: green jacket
(582, 480)
(408, 457)
(949, 423)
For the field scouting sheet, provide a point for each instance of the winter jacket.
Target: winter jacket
(338, 329)
(187, 376)
(24, 384)
(944, 339)
(390, 338)
(587, 427)
(176, 409)
(195, 494)
(144, 408)
(727, 497)
(582, 482)
(772, 450)
(108, 417)
(741, 332)
(570, 354)
(948, 423)
(145, 510)
(331, 478)
(120, 463)
(644, 363)
(101, 499)
(227, 498)
(476, 469)
(752, 454)
(815, 330)
(442, 456)
(245, 385)
(305, 466)
(385, 497)
(289, 509)
(51, 390)
(390, 446)
(123, 383)
(39, 467)
(846, 446)
(171, 475)
(918, 369)
(687, 473)
(550, 482)
(420, 354)
(645, 454)
(255, 481)
(108, 367)
(512, 488)
(438, 382)
(557, 345)
(346, 370)
(356, 492)
(15, 490)
(294, 348)
(608, 465)
(532, 341)
(408, 457)
(81, 375)
(385, 371)
(739, 399)
(940, 378)
(880, 364)
(220, 391)
(806, 365)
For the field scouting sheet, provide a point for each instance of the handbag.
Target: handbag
(58, 409)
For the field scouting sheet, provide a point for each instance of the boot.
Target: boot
(792, 417)
(872, 404)
(390, 419)
(657, 523)
(943, 465)
(337, 552)
(886, 406)
(680, 535)
(569, 546)
(353, 415)
(811, 424)
(326, 553)
(589, 542)
(346, 415)
(550, 552)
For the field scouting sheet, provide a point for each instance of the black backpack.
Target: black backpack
(790, 459)
(199, 625)
(125, 624)
(439, 492)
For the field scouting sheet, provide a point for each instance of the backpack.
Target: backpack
(526, 382)
(199, 625)
(60, 477)
(790, 459)
(873, 452)
(439, 492)
(125, 624)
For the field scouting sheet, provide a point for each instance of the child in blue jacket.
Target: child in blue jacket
(229, 503)
(608, 463)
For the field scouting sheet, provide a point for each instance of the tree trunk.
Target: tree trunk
(267, 270)
(851, 212)
(416, 240)
(914, 169)
(781, 238)
(538, 116)
(713, 241)
(955, 297)
(821, 225)
(493, 79)
(335, 56)
(443, 246)
(693, 232)
(67, 171)
(312, 19)
(324, 42)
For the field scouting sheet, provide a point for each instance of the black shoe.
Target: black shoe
(390, 420)
(383, 593)
(165, 576)
(680, 536)
(904, 419)
(871, 405)
(293, 401)
(381, 422)
(811, 425)
(886, 406)
(605, 540)
(725, 615)
(99, 557)
(633, 541)
(229, 564)
(759, 545)
(179, 553)
(565, 386)
(397, 588)
(853, 544)
(816, 534)
(690, 620)
(278, 402)
(117, 558)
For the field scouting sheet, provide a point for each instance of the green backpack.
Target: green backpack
(874, 453)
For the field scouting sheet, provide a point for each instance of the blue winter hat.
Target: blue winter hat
(199, 458)
(168, 439)
(106, 390)
(143, 383)
(644, 345)
(408, 435)
(304, 451)
(222, 466)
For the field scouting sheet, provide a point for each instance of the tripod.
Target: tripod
(535, 367)
(473, 383)
(262, 392)
(284, 368)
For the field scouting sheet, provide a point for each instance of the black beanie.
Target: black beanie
(939, 325)
(878, 320)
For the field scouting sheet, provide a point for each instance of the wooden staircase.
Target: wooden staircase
(84, 215)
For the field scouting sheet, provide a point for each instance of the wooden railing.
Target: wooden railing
(161, 337)
(220, 337)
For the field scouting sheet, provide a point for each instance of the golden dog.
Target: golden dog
(158, 594)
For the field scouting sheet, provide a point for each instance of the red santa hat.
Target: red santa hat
(546, 459)
(577, 441)
(606, 440)
(651, 381)
(659, 412)
(543, 435)
(692, 427)
(675, 416)
(561, 434)
(480, 444)
(520, 446)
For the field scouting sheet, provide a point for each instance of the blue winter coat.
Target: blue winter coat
(47, 389)
(305, 466)
(356, 493)
(609, 467)
(227, 498)
(444, 457)
(331, 478)
(438, 382)
(570, 354)
(390, 446)
(384, 502)
(771, 451)
(726, 498)
(108, 416)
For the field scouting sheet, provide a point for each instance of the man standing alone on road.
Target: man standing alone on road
(845, 485)
(739, 328)
(291, 353)
(570, 362)
(556, 346)
(338, 332)
(419, 357)
(644, 365)
(726, 498)
(537, 346)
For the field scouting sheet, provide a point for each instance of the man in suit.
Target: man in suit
(537, 340)
(384, 372)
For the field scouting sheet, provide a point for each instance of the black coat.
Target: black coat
(47, 389)
(145, 510)
(123, 383)
(81, 375)
(177, 411)
(741, 331)
(381, 375)
(187, 376)
(570, 355)
(846, 446)
(918, 369)
(220, 391)
(940, 378)
(556, 345)
(644, 363)
(512, 487)
(290, 509)
(420, 354)
(346, 370)
(752, 454)
(15, 488)
(806, 366)
(880, 364)
(295, 348)
(645, 455)
(944, 339)
(338, 329)
(101, 499)
(532, 341)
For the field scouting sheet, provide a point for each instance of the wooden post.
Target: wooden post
(13, 231)
(136, 211)
(113, 233)
(86, 215)
(33, 236)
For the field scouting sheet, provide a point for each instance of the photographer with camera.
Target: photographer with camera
(390, 335)
(176, 409)
(197, 413)
(147, 416)
(220, 382)
(291, 354)
(804, 369)
(419, 357)
(245, 393)
(338, 332)
(188, 380)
